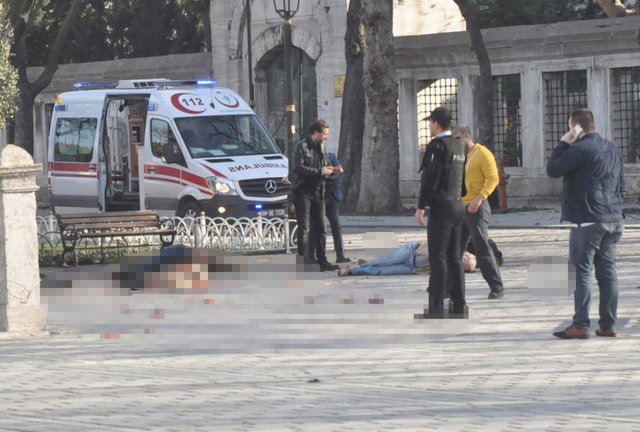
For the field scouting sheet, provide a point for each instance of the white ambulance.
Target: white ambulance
(176, 147)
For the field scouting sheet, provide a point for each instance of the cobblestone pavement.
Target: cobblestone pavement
(274, 352)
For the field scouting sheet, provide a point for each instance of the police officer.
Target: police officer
(441, 189)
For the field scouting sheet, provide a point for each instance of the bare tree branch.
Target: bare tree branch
(470, 13)
(18, 16)
(615, 8)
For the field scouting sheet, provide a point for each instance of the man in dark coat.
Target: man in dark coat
(310, 169)
(592, 197)
(441, 189)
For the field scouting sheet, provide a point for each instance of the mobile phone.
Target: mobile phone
(577, 129)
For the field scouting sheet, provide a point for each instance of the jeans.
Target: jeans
(476, 227)
(595, 245)
(398, 262)
(311, 233)
(444, 229)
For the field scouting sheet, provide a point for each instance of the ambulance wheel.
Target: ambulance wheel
(189, 209)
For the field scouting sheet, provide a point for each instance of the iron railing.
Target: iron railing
(507, 119)
(626, 112)
(432, 94)
(563, 92)
(230, 234)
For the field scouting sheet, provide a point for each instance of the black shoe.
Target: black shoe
(343, 260)
(327, 266)
(456, 312)
(431, 315)
(496, 294)
(307, 264)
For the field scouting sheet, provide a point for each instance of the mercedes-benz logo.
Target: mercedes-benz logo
(270, 186)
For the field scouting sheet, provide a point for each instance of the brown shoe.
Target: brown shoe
(606, 332)
(573, 332)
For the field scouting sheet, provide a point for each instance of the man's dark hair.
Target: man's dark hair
(442, 116)
(584, 118)
(318, 126)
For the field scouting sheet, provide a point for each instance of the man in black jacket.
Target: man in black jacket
(441, 189)
(592, 197)
(311, 167)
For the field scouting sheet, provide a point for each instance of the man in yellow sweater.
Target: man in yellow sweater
(481, 178)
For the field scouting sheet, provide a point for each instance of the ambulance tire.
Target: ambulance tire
(189, 208)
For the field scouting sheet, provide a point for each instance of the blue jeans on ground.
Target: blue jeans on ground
(595, 245)
(398, 262)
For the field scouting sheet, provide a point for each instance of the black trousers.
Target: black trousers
(476, 228)
(332, 207)
(311, 232)
(444, 229)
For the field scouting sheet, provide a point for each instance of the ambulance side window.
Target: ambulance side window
(74, 139)
(163, 139)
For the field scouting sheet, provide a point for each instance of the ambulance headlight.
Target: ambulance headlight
(221, 186)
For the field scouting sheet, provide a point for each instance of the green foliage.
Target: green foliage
(111, 29)
(499, 13)
(8, 74)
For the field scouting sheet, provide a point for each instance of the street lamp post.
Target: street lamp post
(287, 9)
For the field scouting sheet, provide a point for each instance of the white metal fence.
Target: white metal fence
(229, 234)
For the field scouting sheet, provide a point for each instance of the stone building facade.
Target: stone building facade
(541, 73)
(319, 29)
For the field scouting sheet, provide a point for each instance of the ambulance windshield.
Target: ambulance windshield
(233, 135)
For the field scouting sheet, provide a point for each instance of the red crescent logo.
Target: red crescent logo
(188, 103)
(229, 102)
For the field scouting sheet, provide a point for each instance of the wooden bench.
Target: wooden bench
(74, 227)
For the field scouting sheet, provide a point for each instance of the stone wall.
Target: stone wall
(319, 29)
(20, 309)
(599, 47)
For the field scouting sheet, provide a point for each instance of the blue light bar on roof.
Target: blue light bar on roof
(94, 84)
(206, 82)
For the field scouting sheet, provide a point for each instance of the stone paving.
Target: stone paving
(279, 351)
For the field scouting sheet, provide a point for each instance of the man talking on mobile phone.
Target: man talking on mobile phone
(592, 196)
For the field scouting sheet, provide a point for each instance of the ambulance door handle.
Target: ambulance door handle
(152, 169)
(91, 168)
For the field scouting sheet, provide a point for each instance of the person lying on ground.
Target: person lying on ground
(173, 269)
(410, 258)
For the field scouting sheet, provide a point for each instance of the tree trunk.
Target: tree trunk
(23, 131)
(352, 117)
(23, 121)
(615, 8)
(469, 11)
(379, 187)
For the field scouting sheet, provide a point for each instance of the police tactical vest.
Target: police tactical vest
(452, 175)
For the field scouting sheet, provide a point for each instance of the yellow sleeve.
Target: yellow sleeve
(489, 171)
